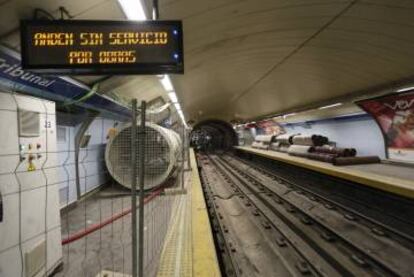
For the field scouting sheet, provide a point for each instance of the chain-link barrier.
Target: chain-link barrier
(65, 186)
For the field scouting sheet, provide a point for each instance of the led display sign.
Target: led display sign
(102, 47)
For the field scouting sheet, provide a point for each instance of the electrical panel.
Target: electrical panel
(29, 123)
(35, 259)
(28, 177)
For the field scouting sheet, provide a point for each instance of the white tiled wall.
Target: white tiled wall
(92, 169)
(360, 132)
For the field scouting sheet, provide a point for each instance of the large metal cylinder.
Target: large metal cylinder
(162, 148)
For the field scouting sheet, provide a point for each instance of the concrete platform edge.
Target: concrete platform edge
(205, 261)
(394, 185)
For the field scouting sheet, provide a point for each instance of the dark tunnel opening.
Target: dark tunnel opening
(213, 135)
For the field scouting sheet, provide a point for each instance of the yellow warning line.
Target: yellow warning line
(204, 254)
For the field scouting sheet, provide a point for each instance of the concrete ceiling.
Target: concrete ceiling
(249, 58)
(142, 88)
(319, 114)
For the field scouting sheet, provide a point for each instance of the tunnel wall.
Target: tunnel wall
(360, 132)
(223, 135)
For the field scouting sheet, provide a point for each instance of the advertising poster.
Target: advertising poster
(270, 127)
(395, 116)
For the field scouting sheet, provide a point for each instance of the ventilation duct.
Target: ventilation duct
(162, 147)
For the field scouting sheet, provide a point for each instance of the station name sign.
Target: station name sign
(102, 47)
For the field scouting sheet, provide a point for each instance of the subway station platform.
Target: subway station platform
(189, 248)
(383, 176)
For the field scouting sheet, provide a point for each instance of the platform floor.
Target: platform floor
(384, 176)
(189, 249)
(109, 248)
(176, 258)
(176, 226)
(386, 169)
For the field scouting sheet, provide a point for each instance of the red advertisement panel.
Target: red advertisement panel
(395, 116)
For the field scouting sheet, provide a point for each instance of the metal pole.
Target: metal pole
(155, 13)
(188, 150)
(141, 187)
(182, 157)
(134, 187)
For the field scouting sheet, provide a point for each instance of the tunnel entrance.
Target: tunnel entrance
(212, 135)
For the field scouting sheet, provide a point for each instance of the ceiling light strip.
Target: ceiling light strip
(133, 9)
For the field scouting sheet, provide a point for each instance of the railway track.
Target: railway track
(303, 233)
(385, 208)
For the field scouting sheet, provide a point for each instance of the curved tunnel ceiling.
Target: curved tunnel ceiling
(249, 58)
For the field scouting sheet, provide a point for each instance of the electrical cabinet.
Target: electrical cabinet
(30, 232)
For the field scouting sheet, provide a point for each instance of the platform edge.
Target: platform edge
(205, 262)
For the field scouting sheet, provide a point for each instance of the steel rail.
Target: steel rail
(345, 209)
(284, 244)
(312, 258)
(364, 257)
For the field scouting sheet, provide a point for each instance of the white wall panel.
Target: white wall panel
(54, 159)
(8, 258)
(63, 158)
(51, 133)
(54, 249)
(53, 219)
(359, 132)
(8, 163)
(91, 182)
(8, 183)
(50, 107)
(30, 103)
(33, 210)
(7, 102)
(92, 168)
(91, 160)
(94, 154)
(71, 158)
(10, 222)
(95, 130)
(31, 179)
(55, 175)
(9, 140)
(71, 171)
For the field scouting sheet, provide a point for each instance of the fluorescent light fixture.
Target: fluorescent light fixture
(405, 89)
(330, 106)
(173, 97)
(133, 9)
(166, 83)
(289, 114)
(181, 114)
